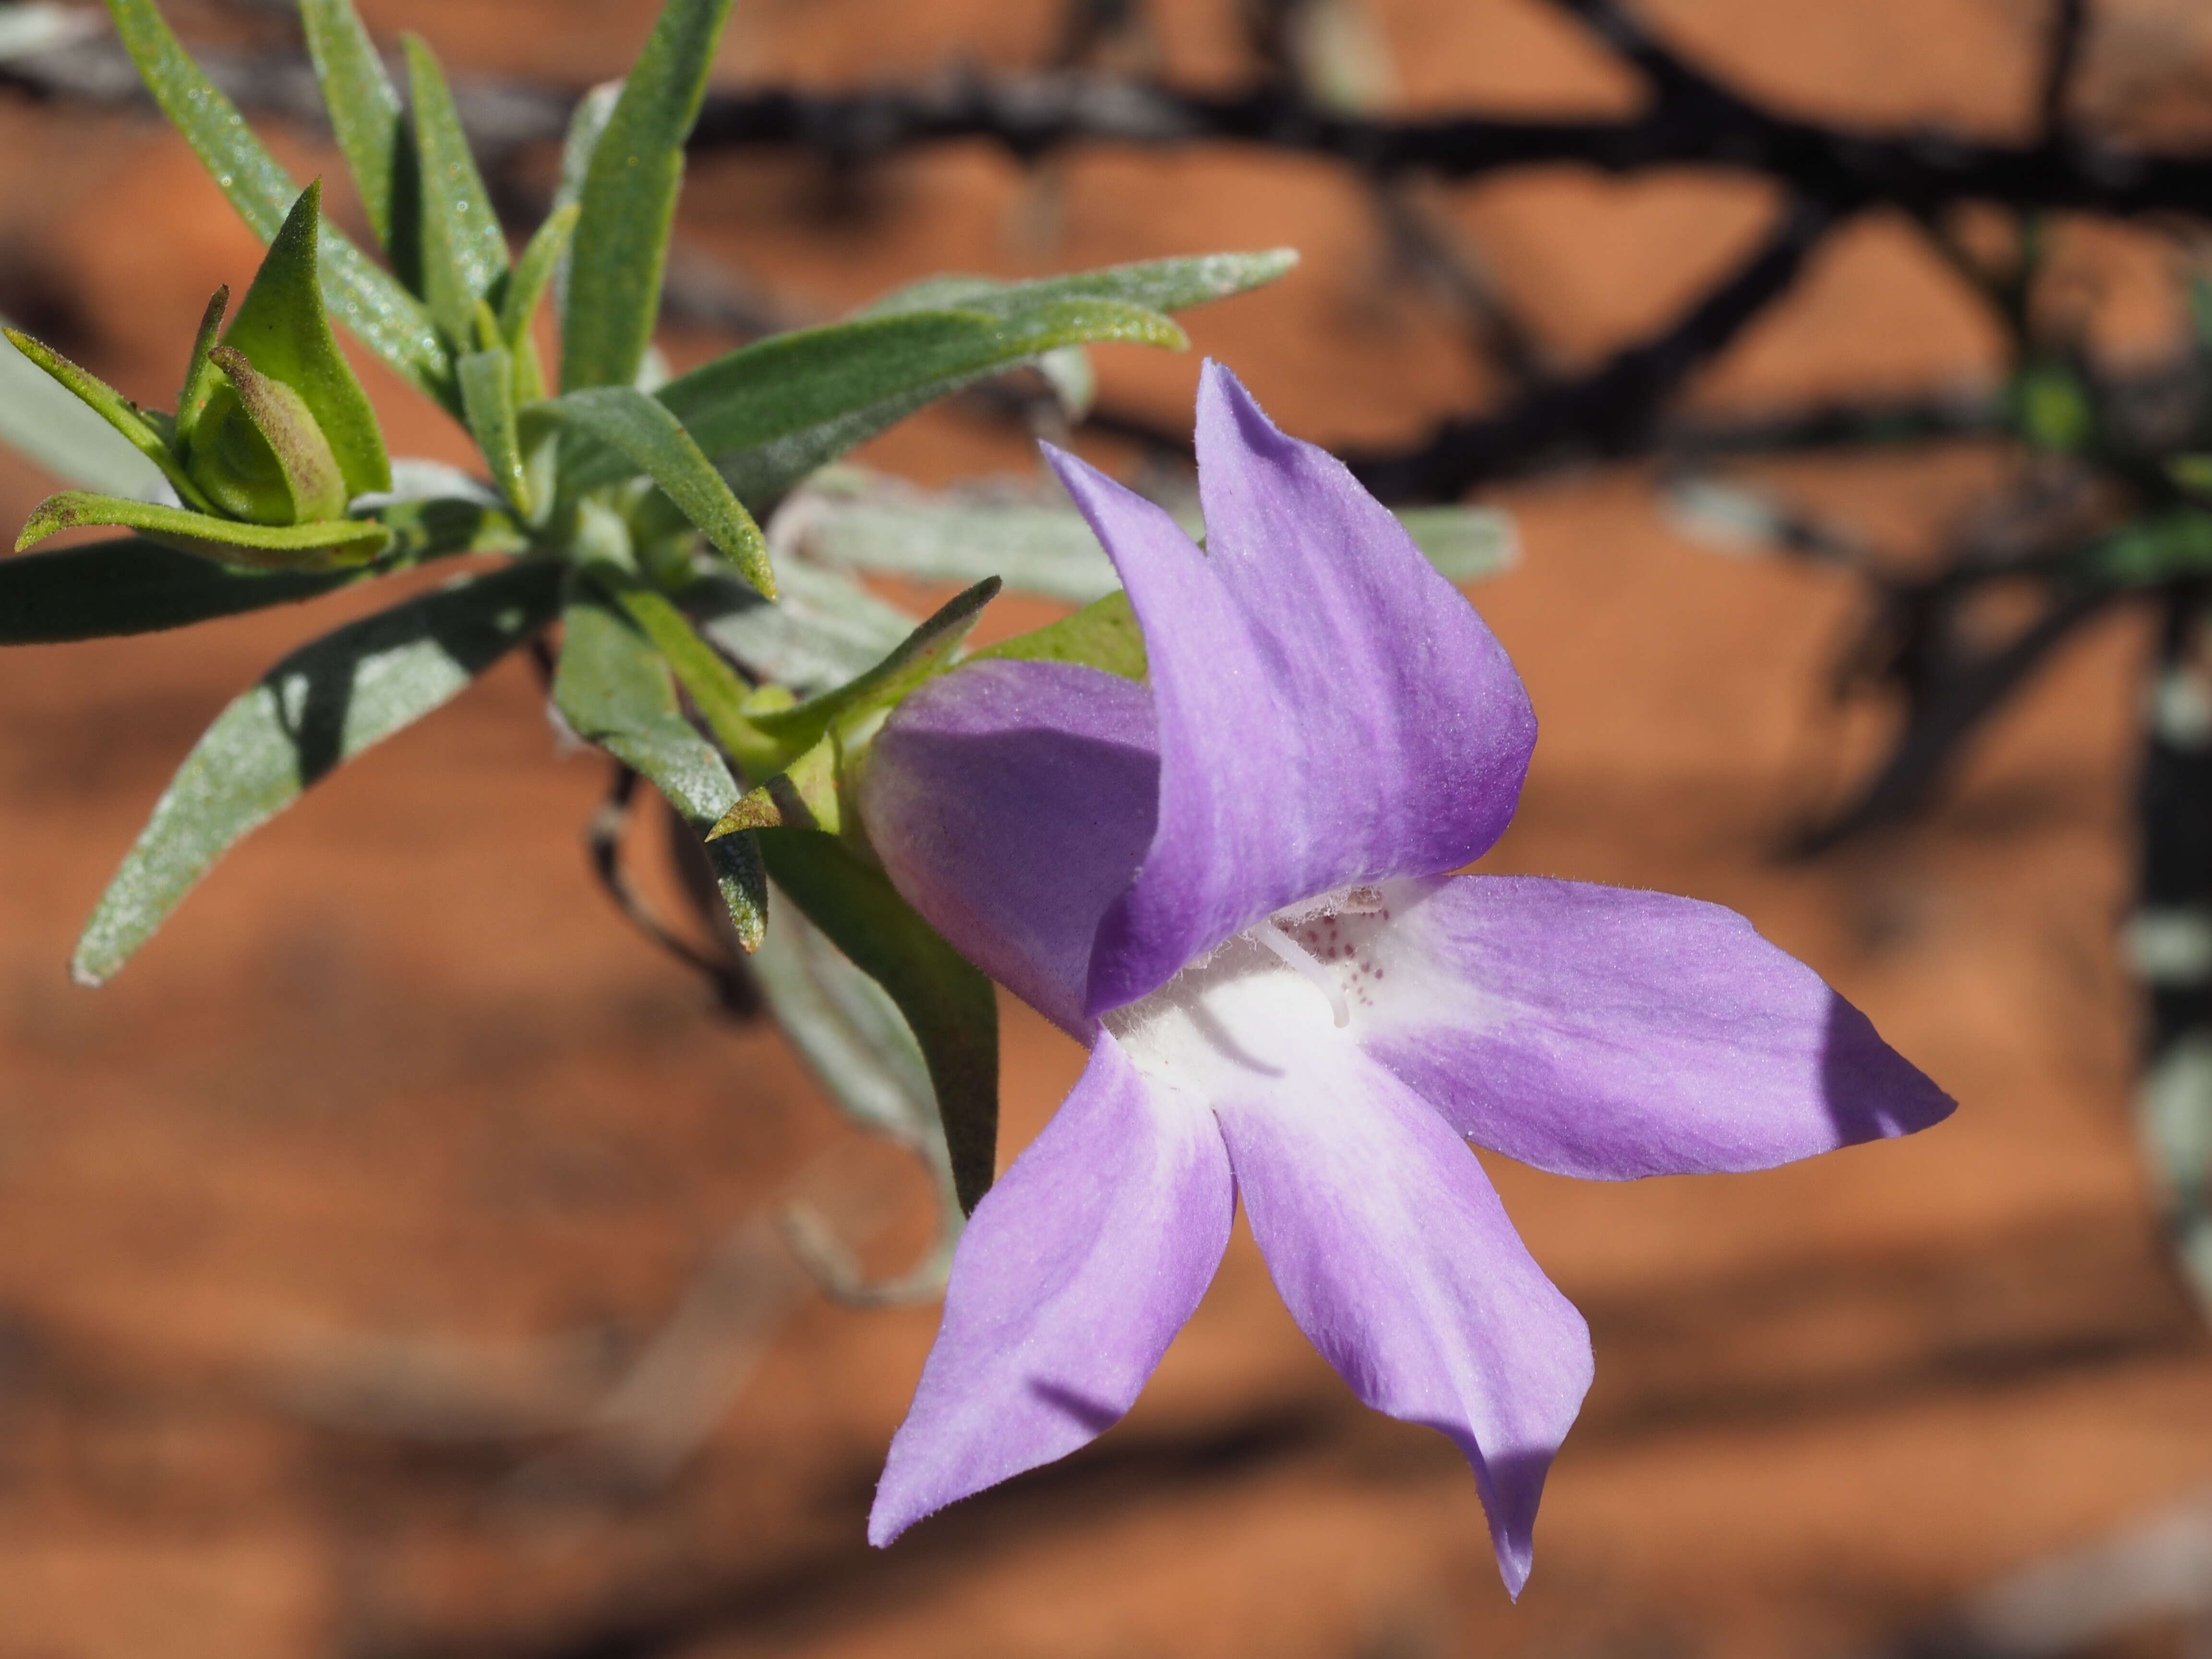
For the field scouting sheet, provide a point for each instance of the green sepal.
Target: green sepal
(111, 406)
(132, 585)
(926, 652)
(282, 329)
(365, 115)
(629, 200)
(260, 457)
(948, 1004)
(318, 708)
(487, 380)
(464, 253)
(613, 688)
(384, 315)
(202, 376)
(1102, 634)
(803, 796)
(645, 434)
(326, 546)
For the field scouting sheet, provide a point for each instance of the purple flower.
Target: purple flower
(1231, 883)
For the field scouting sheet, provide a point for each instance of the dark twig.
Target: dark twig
(2069, 26)
(1616, 409)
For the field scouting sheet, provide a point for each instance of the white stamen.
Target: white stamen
(1298, 956)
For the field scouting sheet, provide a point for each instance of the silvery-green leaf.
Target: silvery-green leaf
(365, 115)
(821, 630)
(1155, 284)
(24, 423)
(464, 251)
(312, 712)
(42, 420)
(276, 547)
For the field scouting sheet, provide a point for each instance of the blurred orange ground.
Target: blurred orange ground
(399, 1083)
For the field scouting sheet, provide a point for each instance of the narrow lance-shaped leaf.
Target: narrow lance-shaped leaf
(1155, 284)
(385, 317)
(652, 439)
(312, 711)
(51, 426)
(629, 200)
(271, 546)
(464, 253)
(132, 585)
(113, 407)
(365, 114)
(771, 412)
(613, 688)
(926, 651)
(525, 285)
(712, 685)
(948, 1004)
(587, 125)
(487, 379)
(281, 330)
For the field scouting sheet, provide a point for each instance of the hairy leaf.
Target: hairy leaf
(464, 251)
(629, 200)
(269, 546)
(948, 1004)
(487, 379)
(925, 652)
(650, 438)
(771, 412)
(1155, 284)
(49, 424)
(113, 407)
(365, 113)
(614, 689)
(366, 300)
(312, 711)
(821, 631)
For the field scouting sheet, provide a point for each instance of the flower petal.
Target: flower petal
(1010, 803)
(1602, 1032)
(1074, 1273)
(1330, 709)
(1392, 1251)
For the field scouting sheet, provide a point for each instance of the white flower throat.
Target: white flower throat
(1257, 998)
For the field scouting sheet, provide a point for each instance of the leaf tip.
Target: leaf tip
(81, 972)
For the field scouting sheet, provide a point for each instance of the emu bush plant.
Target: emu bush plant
(1198, 823)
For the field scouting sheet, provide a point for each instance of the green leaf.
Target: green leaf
(440, 527)
(532, 273)
(464, 253)
(587, 125)
(1102, 634)
(487, 379)
(364, 111)
(928, 651)
(282, 330)
(380, 312)
(275, 547)
(646, 433)
(614, 689)
(629, 200)
(771, 412)
(42, 420)
(948, 1004)
(113, 407)
(821, 631)
(312, 711)
(714, 686)
(884, 526)
(133, 585)
(1155, 284)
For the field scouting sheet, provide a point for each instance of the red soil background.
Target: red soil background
(399, 1083)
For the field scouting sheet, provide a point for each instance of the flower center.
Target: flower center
(1254, 999)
